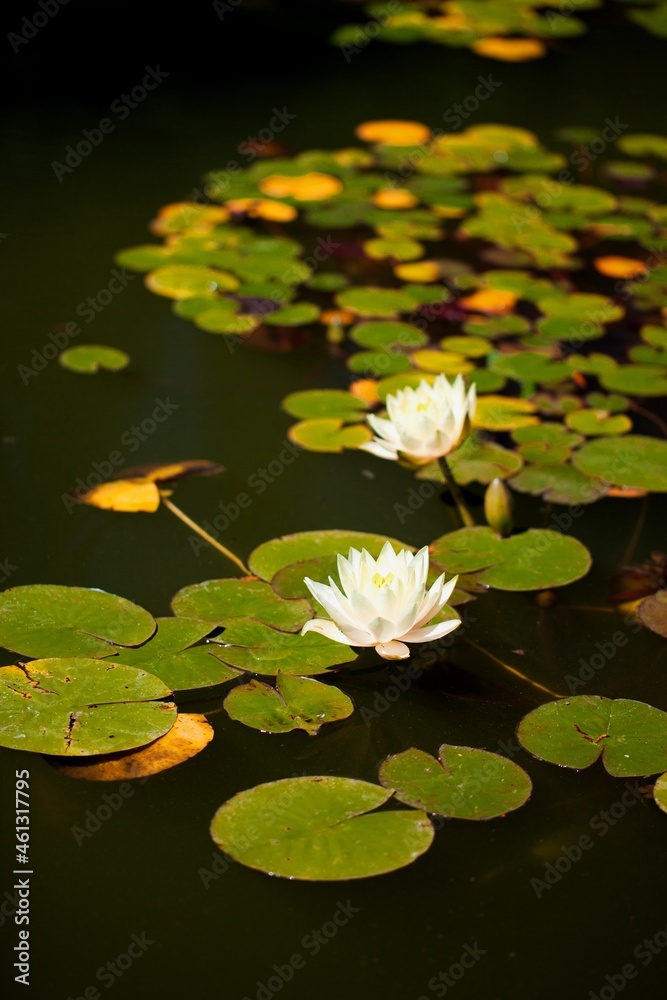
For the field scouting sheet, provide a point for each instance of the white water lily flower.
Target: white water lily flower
(425, 423)
(383, 602)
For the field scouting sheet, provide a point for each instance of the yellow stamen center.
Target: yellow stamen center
(383, 581)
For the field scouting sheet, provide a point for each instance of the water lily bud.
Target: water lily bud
(498, 507)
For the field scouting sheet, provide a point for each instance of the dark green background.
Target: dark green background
(142, 871)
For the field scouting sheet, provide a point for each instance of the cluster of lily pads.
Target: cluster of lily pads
(509, 30)
(404, 291)
(457, 256)
(101, 700)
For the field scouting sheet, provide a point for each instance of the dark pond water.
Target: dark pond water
(150, 870)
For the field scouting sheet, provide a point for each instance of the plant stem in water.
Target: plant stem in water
(204, 534)
(453, 487)
(513, 670)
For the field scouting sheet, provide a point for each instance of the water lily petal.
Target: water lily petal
(393, 650)
(431, 631)
(331, 631)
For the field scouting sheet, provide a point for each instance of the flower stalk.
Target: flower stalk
(182, 516)
(457, 496)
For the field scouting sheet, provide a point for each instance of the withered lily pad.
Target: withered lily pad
(319, 828)
(295, 703)
(653, 612)
(189, 735)
(631, 737)
(79, 706)
(49, 620)
(464, 783)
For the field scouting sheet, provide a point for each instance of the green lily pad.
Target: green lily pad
(298, 314)
(318, 828)
(49, 620)
(143, 258)
(635, 380)
(328, 281)
(652, 612)
(476, 462)
(79, 706)
(547, 433)
(270, 557)
(379, 302)
(594, 423)
(171, 655)
(631, 460)
(178, 281)
(295, 703)
(393, 383)
(378, 363)
(469, 347)
(249, 645)
(531, 367)
(537, 559)
(445, 362)
(87, 359)
(223, 320)
(328, 434)
(318, 403)
(465, 783)
(560, 483)
(378, 335)
(394, 249)
(216, 600)
(630, 736)
(503, 413)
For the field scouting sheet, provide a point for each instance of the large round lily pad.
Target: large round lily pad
(295, 703)
(465, 782)
(215, 600)
(631, 460)
(49, 620)
(319, 403)
(630, 736)
(319, 829)
(560, 483)
(534, 560)
(271, 556)
(328, 435)
(249, 645)
(79, 706)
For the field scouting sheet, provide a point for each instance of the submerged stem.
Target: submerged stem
(513, 670)
(453, 487)
(203, 534)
